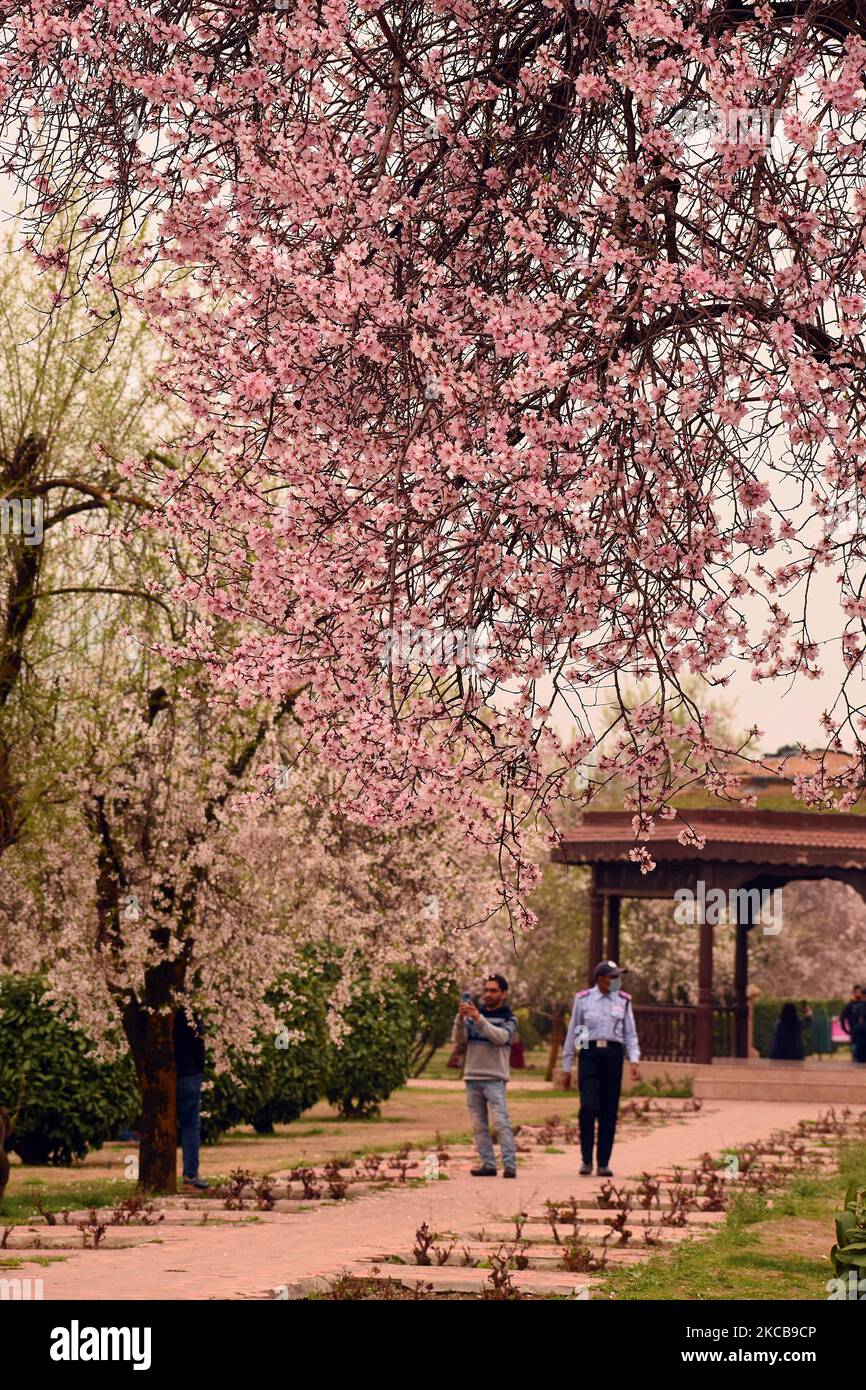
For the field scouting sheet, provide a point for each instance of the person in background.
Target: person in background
(786, 1044)
(848, 1017)
(486, 1033)
(517, 1057)
(852, 1021)
(189, 1059)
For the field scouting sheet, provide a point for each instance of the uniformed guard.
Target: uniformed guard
(602, 1029)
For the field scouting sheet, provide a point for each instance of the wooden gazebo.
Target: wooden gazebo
(745, 851)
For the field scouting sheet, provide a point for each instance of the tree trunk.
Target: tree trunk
(151, 1038)
(17, 479)
(423, 1056)
(557, 1037)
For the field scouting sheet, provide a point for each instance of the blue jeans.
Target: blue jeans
(189, 1119)
(488, 1097)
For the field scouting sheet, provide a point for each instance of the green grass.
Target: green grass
(15, 1261)
(739, 1261)
(242, 1136)
(672, 1088)
(536, 1067)
(437, 1068)
(19, 1204)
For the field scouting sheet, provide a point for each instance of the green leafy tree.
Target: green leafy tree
(71, 1102)
(375, 1055)
(434, 1004)
(76, 398)
(288, 1074)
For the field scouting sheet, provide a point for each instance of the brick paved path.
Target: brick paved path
(248, 1255)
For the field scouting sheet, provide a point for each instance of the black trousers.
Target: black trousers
(600, 1079)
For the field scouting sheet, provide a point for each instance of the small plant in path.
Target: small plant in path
(551, 1211)
(307, 1178)
(265, 1190)
(338, 1186)
(520, 1219)
(93, 1228)
(500, 1284)
(239, 1180)
(648, 1190)
(618, 1227)
(135, 1210)
(577, 1257)
(424, 1238)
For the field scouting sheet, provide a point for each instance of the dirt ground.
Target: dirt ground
(797, 1236)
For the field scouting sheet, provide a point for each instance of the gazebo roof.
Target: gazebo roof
(796, 838)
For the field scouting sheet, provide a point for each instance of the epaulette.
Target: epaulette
(624, 995)
(582, 992)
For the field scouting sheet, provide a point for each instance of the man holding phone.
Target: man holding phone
(486, 1033)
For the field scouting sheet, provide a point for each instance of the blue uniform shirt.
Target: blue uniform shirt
(608, 1017)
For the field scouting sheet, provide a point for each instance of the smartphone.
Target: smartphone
(466, 997)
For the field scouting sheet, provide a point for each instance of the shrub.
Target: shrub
(849, 1252)
(223, 1093)
(527, 1030)
(72, 1103)
(282, 1081)
(376, 1055)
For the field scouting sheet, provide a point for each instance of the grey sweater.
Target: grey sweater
(488, 1047)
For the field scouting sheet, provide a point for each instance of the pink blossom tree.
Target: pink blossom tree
(192, 859)
(541, 323)
(159, 847)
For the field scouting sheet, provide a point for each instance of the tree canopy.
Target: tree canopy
(479, 335)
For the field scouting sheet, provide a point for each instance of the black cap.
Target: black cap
(608, 967)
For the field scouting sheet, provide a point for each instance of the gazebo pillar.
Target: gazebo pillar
(613, 927)
(741, 986)
(596, 924)
(704, 1017)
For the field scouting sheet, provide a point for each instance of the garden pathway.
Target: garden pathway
(251, 1254)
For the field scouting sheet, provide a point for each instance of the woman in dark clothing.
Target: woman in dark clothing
(787, 1041)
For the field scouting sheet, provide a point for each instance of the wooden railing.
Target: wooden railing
(724, 1031)
(667, 1031)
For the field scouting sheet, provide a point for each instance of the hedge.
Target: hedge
(71, 1103)
(288, 1075)
(375, 1057)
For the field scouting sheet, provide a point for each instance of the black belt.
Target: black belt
(605, 1042)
